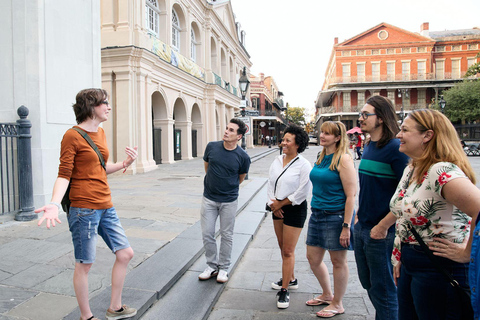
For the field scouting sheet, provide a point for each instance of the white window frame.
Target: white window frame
(361, 75)
(422, 98)
(391, 71)
(421, 72)
(175, 31)
(440, 72)
(456, 74)
(375, 72)
(406, 69)
(193, 45)
(360, 99)
(347, 101)
(152, 16)
(346, 72)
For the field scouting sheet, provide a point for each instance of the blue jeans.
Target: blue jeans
(210, 211)
(425, 293)
(85, 226)
(474, 272)
(376, 272)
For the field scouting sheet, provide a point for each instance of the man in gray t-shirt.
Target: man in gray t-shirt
(226, 166)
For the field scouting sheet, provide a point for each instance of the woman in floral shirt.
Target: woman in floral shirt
(437, 197)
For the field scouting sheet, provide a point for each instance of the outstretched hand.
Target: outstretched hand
(50, 214)
(131, 155)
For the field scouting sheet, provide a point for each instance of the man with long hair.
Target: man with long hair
(380, 170)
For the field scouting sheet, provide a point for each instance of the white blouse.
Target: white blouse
(294, 184)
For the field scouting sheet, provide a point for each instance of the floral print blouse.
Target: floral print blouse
(423, 206)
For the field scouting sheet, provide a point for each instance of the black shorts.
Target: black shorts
(294, 216)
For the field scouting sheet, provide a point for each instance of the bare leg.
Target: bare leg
(340, 279)
(119, 272)
(290, 239)
(80, 285)
(315, 257)
(278, 226)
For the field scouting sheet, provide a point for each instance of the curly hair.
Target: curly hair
(301, 137)
(86, 101)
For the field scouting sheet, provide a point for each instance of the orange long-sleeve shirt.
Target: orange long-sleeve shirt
(80, 164)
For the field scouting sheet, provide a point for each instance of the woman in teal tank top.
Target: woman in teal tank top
(334, 186)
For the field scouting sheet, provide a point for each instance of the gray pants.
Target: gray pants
(209, 213)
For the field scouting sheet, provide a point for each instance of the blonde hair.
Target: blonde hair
(443, 147)
(338, 129)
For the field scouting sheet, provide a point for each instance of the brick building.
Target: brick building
(267, 100)
(412, 69)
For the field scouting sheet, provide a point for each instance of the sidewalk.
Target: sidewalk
(36, 268)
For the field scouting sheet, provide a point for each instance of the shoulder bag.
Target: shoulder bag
(66, 198)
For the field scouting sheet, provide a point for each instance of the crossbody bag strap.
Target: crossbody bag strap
(275, 188)
(92, 144)
(432, 257)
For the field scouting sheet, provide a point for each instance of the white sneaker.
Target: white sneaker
(208, 273)
(222, 276)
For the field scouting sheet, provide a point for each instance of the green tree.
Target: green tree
(295, 115)
(463, 101)
(474, 69)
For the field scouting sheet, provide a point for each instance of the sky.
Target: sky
(292, 40)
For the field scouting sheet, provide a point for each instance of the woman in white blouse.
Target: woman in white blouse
(436, 198)
(288, 187)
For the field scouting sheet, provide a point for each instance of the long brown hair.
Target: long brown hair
(443, 147)
(338, 129)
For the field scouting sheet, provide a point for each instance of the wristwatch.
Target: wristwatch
(345, 225)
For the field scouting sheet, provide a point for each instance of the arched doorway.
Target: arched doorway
(159, 116)
(197, 131)
(181, 130)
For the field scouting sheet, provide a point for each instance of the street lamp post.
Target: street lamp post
(244, 83)
(442, 104)
(402, 93)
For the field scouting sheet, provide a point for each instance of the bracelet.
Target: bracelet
(57, 204)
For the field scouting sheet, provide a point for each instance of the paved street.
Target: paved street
(159, 209)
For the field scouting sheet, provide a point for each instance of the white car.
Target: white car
(312, 139)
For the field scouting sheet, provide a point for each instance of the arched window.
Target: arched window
(193, 46)
(175, 31)
(151, 16)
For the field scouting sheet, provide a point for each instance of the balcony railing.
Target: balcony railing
(398, 108)
(396, 77)
(225, 85)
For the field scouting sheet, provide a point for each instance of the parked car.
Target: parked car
(312, 139)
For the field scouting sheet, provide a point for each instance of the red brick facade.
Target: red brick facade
(410, 68)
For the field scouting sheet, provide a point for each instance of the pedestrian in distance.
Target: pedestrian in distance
(433, 204)
(379, 172)
(91, 211)
(226, 165)
(330, 226)
(287, 190)
(358, 146)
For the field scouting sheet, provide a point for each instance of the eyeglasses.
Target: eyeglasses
(365, 115)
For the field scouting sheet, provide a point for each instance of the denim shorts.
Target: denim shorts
(85, 224)
(324, 228)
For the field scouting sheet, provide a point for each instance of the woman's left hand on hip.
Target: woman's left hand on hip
(450, 250)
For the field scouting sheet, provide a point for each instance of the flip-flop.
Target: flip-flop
(331, 313)
(317, 302)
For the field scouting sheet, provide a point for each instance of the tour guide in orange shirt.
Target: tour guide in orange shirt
(91, 211)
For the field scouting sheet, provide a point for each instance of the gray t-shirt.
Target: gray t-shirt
(222, 181)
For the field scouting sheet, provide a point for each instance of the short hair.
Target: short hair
(443, 147)
(86, 101)
(242, 127)
(301, 137)
(338, 129)
(384, 110)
